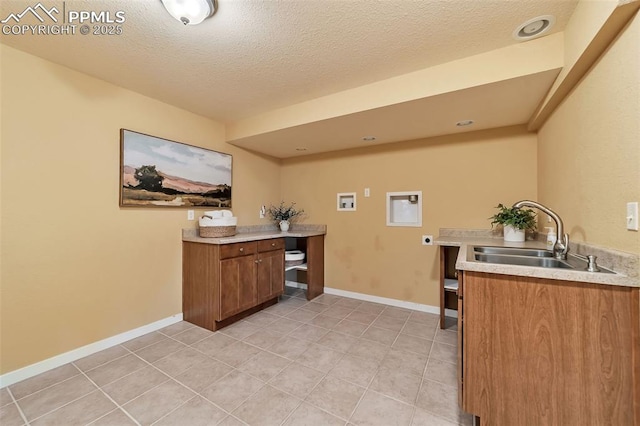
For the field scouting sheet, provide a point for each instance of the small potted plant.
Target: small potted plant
(284, 215)
(514, 221)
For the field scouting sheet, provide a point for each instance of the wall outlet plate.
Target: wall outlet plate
(191, 215)
(427, 240)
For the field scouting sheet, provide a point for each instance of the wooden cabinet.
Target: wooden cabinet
(221, 283)
(548, 352)
(270, 280)
(238, 289)
(448, 281)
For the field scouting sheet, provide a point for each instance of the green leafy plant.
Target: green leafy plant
(518, 218)
(284, 212)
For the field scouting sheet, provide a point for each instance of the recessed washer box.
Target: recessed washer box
(404, 208)
(346, 201)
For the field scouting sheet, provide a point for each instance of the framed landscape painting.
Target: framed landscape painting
(156, 172)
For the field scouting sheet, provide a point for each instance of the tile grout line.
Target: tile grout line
(233, 368)
(170, 378)
(149, 364)
(49, 387)
(413, 404)
(179, 406)
(46, 387)
(368, 387)
(24, 417)
(111, 399)
(325, 375)
(361, 334)
(424, 378)
(406, 320)
(424, 371)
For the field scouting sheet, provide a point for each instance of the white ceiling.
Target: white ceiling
(254, 56)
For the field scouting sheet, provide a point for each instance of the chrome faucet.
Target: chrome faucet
(561, 247)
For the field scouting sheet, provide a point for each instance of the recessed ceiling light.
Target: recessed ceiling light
(464, 123)
(535, 27)
(369, 138)
(301, 149)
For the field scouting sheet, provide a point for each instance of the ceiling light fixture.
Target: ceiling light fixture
(533, 28)
(190, 12)
(464, 123)
(301, 149)
(369, 138)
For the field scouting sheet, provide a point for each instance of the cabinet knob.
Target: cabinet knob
(273, 244)
(241, 248)
(255, 261)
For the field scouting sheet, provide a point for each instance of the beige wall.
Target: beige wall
(462, 178)
(76, 268)
(589, 150)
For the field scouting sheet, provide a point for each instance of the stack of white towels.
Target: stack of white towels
(218, 218)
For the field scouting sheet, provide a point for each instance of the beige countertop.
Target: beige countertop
(255, 233)
(625, 265)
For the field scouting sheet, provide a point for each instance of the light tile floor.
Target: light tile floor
(331, 361)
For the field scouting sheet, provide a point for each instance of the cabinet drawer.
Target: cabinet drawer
(237, 249)
(268, 245)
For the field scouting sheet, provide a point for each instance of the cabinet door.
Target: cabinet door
(549, 352)
(270, 275)
(237, 285)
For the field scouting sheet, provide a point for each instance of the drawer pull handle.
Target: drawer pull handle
(241, 248)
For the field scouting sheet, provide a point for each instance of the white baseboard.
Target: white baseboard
(382, 300)
(15, 376)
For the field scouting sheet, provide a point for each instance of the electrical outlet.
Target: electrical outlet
(190, 215)
(367, 192)
(427, 240)
(263, 211)
(632, 216)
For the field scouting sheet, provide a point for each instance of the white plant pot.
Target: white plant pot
(513, 234)
(284, 225)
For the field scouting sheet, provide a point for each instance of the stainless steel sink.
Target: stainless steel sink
(542, 262)
(528, 257)
(514, 251)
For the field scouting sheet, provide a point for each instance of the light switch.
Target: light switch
(367, 193)
(632, 216)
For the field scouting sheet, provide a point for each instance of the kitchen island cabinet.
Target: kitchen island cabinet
(548, 352)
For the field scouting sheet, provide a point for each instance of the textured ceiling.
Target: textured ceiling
(254, 56)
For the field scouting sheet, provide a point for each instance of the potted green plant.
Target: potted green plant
(514, 221)
(284, 214)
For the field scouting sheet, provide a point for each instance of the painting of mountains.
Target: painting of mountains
(157, 172)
